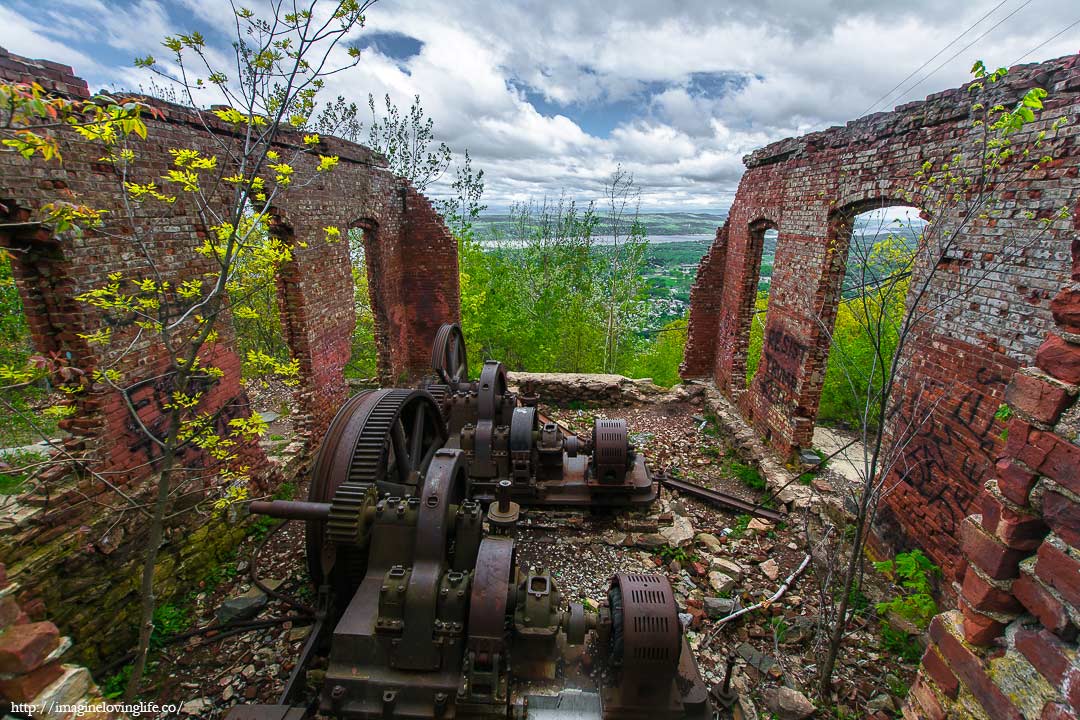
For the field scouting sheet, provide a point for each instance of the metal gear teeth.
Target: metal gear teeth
(346, 511)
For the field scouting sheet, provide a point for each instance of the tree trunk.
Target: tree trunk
(146, 589)
(836, 637)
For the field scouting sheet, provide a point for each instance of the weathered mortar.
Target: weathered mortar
(68, 557)
(803, 187)
(1008, 531)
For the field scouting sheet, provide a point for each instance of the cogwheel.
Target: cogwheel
(345, 525)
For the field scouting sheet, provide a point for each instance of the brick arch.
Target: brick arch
(967, 351)
(827, 297)
(379, 293)
(744, 315)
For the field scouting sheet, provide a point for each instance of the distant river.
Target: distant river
(657, 239)
(701, 239)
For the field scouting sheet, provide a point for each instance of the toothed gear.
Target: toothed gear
(354, 466)
(345, 525)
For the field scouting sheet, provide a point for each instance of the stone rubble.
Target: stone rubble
(715, 568)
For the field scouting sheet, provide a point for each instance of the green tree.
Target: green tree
(408, 142)
(660, 359)
(530, 296)
(464, 206)
(282, 60)
(957, 191)
(625, 259)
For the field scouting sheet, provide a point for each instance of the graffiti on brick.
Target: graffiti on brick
(782, 360)
(150, 400)
(948, 457)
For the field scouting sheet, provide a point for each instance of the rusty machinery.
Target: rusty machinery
(425, 616)
(505, 437)
(422, 613)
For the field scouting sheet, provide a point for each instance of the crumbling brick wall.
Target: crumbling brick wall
(1009, 651)
(63, 544)
(809, 189)
(32, 670)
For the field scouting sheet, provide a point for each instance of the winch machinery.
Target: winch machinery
(424, 611)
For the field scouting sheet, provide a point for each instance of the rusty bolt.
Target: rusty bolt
(502, 494)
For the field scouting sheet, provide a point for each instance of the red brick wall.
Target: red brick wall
(412, 255)
(809, 188)
(1010, 648)
(412, 265)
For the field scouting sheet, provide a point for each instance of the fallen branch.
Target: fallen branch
(764, 603)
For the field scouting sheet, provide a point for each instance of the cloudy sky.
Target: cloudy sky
(549, 96)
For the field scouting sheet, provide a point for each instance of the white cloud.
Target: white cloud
(616, 77)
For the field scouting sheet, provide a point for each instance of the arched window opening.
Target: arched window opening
(257, 310)
(867, 308)
(363, 362)
(37, 348)
(766, 240)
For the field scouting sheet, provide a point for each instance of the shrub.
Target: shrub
(913, 572)
(15, 467)
(748, 475)
(169, 620)
(741, 523)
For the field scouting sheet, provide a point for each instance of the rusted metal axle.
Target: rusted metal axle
(290, 509)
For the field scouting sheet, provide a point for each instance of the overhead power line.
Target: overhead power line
(1048, 40)
(962, 50)
(947, 45)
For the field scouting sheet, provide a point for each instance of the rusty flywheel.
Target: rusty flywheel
(449, 359)
(381, 441)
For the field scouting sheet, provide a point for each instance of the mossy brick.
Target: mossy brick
(933, 665)
(969, 669)
(1050, 656)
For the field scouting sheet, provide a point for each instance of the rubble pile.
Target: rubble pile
(719, 563)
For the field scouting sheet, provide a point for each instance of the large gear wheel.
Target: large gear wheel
(381, 441)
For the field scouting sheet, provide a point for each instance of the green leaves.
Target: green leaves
(912, 571)
(1033, 98)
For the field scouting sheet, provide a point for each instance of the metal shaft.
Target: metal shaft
(291, 509)
(502, 494)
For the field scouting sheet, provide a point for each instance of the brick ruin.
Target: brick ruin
(1000, 516)
(55, 548)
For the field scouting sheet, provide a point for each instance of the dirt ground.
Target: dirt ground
(773, 646)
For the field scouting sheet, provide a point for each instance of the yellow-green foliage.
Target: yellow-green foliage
(757, 335)
(660, 358)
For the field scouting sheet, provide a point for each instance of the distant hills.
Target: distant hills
(656, 223)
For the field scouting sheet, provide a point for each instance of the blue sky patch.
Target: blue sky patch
(396, 46)
(597, 117)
